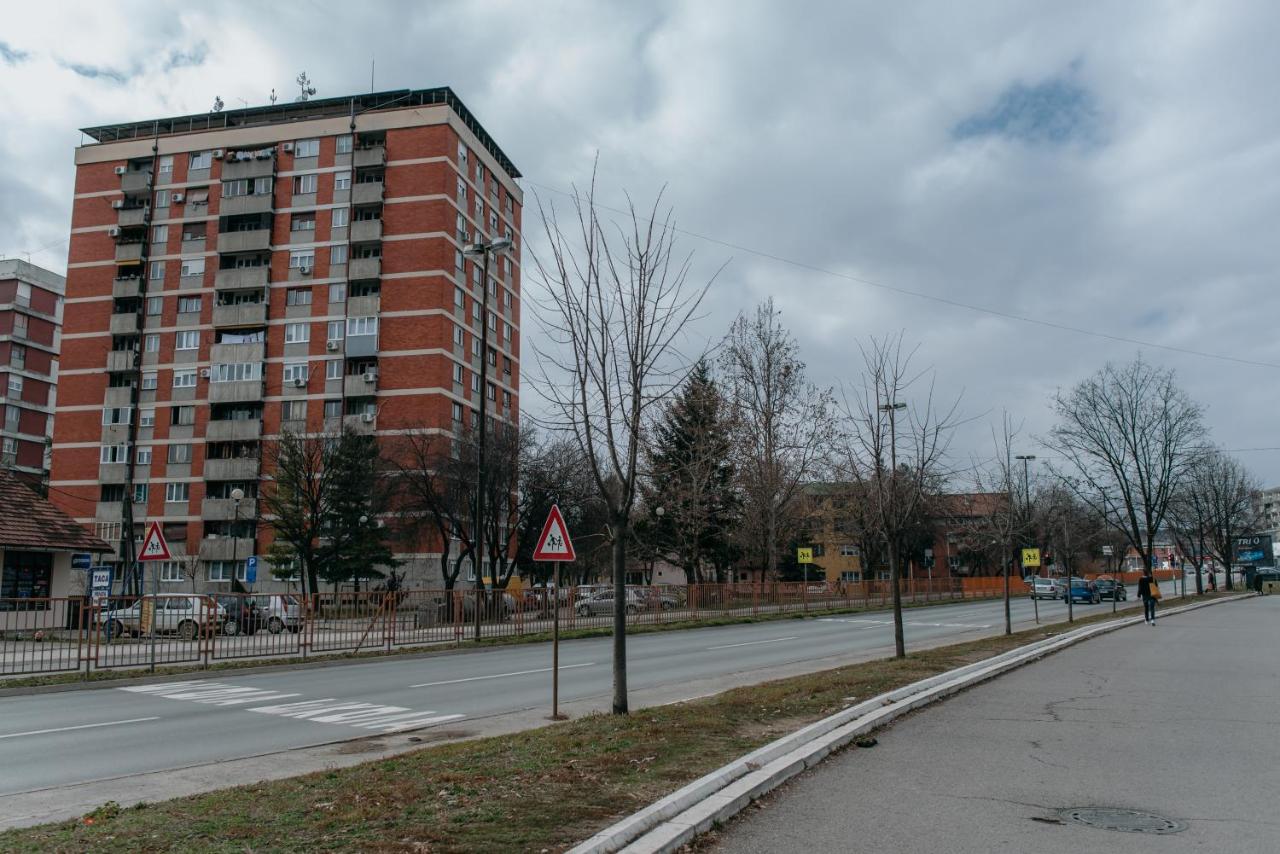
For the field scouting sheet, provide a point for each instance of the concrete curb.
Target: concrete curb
(673, 821)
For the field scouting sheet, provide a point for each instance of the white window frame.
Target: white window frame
(341, 218)
(297, 333)
(338, 293)
(200, 160)
(192, 267)
(300, 258)
(333, 369)
(144, 456)
(155, 306)
(457, 374)
(341, 181)
(15, 384)
(306, 148)
(338, 254)
(297, 296)
(305, 185)
(171, 571)
(159, 234)
(295, 371)
(366, 325)
(109, 454)
(185, 305)
(343, 144)
(150, 381)
(187, 339)
(146, 418)
(156, 273)
(184, 379)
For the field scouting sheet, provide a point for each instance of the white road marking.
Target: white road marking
(81, 726)
(500, 675)
(911, 623)
(753, 643)
(209, 693)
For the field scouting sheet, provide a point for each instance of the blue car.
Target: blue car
(1083, 590)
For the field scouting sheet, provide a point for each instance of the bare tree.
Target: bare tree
(1222, 493)
(1128, 435)
(900, 449)
(436, 496)
(615, 307)
(1005, 524)
(782, 424)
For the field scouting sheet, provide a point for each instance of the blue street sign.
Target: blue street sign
(251, 570)
(81, 560)
(99, 582)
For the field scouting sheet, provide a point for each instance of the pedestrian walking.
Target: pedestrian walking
(1148, 592)
(1213, 580)
(1257, 583)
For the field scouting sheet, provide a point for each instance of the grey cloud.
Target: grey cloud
(11, 55)
(94, 72)
(189, 59)
(1055, 111)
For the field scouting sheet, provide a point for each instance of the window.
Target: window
(235, 372)
(159, 234)
(144, 456)
(848, 550)
(188, 340)
(493, 221)
(457, 260)
(300, 258)
(457, 335)
(304, 184)
(17, 355)
(338, 293)
(293, 410)
(506, 299)
(506, 399)
(303, 222)
(198, 197)
(166, 174)
(175, 492)
(462, 154)
(475, 346)
(297, 296)
(179, 453)
(192, 267)
(187, 305)
(475, 382)
(151, 343)
(170, 570)
(457, 298)
(141, 491)
(112, 415)
(506, 366)
(182, 416)
(333, 369)
(479, 209)
(147, 418)
(851, 577)
(506, 331)
(457, 413)
(340, 218)
(297, 333)
(222, 570)
(306, 148)
(338, 254)
(362, 326)
(13, 415)
(15, 385)
(149, 381)
(332, 408)
(342, 145)
(112, 454)
(295, 371)
(157, 271)
(262, 186)
(462, 229)
(155, 305)
(200, 160)
(184, 379)
(341, 181)
(335, 330)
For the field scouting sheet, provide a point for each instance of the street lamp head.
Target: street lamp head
(237, 494)
(479, 247)
(500, 244)
(1025, 457)
(889, 407)
(659, 512)
(364, 519)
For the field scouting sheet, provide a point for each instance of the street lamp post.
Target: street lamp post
(1026, 509)
(364, 520)
(892, 408)
(483, 250)
(237, 495)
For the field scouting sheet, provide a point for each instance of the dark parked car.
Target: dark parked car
(1109, 588)
(1082, 590)
(242, 617)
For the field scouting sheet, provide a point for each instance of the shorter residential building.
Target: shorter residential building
(30, 330)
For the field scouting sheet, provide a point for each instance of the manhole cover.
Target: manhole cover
(1130, 821)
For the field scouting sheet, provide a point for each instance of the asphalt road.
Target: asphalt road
(1176, 720)
(61, 739)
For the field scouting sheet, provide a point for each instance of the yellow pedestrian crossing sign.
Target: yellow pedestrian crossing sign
(804, 555)
(1030, 557)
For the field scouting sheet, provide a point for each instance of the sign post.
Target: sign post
(100, 591)
(1031, 558)
(804, 557)
(154, 547)
(555, 546)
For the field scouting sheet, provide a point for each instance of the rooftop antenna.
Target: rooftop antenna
(217, 104)
(373, 64)
(243, 101)
(273, 97)
(304, 84)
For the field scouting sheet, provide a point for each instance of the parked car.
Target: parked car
(1082, 590)
(183, 615)
(1110, 588)
(603, 603)
(1045, 588)
(280, 611)
(240, 615)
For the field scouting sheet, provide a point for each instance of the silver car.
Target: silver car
(1045, 588)
(280, 611)
(602, 603)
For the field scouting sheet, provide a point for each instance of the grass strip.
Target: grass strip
(541, 790)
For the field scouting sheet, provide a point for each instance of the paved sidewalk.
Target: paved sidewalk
(1181, 720)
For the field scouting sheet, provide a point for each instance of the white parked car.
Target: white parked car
(280, 611)
(1045, 588)
(175, 613)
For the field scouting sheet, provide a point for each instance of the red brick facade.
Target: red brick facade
(30, 316)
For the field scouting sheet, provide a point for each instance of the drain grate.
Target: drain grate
(1129, 821)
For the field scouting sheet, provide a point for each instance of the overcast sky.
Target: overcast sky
(1113, 167)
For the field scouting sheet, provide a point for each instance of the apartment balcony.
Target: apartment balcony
(113, 511)
(238, 468)
(374, 155)
(368, 193)
(258, 240)
(358, 424)
(115, 434)
(233, 170)
(258, 203)
(124, 324)
(364, 230)
(230, 353)
(135, 182)
(360, 385)
(361, 345)
(224, 509)
(363, 306)
(117, 397)
(226, 548)
(244, 314)
(125, 288)
(128, 252)
(134, 216)
(120, 360)
(239, 278)
(364, 268)
(236, 430)
(247, 391)
(111, 473)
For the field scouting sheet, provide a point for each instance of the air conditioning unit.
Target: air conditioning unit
(120, 170)
(299, 382)
(288, 146)
(113, 232)
(178, 198)
(306, 271)
(370, 376)
(218, 152)
(367, 418)
(204, 373)
(118, 204)
(331, 345)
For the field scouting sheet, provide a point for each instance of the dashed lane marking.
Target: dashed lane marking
(753, 643)
(908, 623)
(500, 675)
(81, 726)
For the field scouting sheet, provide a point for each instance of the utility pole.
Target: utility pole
(900, 644)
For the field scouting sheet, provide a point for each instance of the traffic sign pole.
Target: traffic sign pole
(555, 647)
(554, 546)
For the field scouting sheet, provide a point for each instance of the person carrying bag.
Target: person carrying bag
(1149, 593)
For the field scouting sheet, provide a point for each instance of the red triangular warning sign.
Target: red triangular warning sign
(554, 544)
(154, 547)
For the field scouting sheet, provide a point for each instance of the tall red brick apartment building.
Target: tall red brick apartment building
(293, 267)
(30, 317)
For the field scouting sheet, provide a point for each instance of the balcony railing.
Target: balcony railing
(238, 430)
(364, 268)
(134, 216)
(129, 252)
(237, 278)
(135, 182)
(367, 193)
(356, 385)
(237, 468)
(254, 204)
(374, 155)
(258, 240)
(246, 391)
(233, 170)
(244, 314)
(124, 324)
(364, 230)
(224, 509)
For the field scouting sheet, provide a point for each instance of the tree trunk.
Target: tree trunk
(619, 619)
(771, 545)
(895, 576)
(1008, 618)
